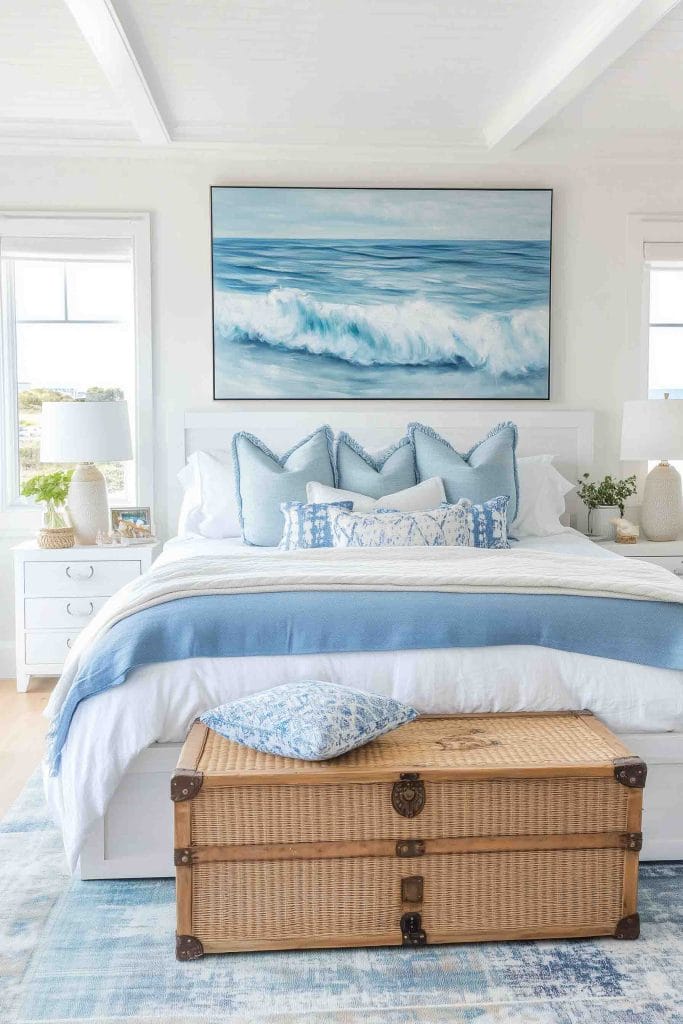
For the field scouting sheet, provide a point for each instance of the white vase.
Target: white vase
(599, 521)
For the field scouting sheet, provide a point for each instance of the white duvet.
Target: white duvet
(158, 702)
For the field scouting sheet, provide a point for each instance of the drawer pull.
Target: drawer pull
(80, 578)
(69, 643)
(80, 615)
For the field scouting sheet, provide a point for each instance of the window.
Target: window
(665, 372)
(73, 325)
(664, 263)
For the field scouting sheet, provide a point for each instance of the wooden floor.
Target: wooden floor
(22, 732)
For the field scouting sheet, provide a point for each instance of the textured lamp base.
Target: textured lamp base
(87, 503)
(660, 515)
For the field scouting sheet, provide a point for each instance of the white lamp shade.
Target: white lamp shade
(85, 432)
(652, 429)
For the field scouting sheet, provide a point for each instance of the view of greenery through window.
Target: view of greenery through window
(74, 342)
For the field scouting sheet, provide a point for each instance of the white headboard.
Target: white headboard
(566, 434)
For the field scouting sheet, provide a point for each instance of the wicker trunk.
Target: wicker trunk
(450, 829)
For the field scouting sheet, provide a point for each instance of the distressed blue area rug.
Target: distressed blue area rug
(103, 952)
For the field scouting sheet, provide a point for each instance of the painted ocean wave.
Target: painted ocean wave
(411, 332)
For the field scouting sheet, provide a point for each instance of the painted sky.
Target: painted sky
(486, 214)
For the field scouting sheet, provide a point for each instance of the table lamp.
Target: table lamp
(86, 433)
(653, 429)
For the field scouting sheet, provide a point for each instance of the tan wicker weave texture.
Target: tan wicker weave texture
(343, 812)
(339, 899)
(439, 743)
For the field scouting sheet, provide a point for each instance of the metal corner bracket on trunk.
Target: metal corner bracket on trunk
(187, 947)
(630, 771)
(185, 784)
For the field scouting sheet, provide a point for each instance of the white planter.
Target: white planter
(599, 521)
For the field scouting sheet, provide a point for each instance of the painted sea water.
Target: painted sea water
(384, 317)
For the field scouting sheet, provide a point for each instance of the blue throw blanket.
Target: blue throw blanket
(309, 622)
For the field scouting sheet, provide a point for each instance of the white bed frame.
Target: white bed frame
(134, 839)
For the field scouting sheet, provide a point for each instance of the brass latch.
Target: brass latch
(408, 795)
(412, 931)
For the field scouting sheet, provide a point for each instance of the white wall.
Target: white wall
(592, 365)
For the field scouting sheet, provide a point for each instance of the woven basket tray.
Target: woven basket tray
(62, 537)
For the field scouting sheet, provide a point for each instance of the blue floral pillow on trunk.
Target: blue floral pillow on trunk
(310, 720)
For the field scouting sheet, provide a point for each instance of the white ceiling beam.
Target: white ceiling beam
(105, 36)
(612, 28)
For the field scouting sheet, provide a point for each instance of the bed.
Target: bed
(111, 791)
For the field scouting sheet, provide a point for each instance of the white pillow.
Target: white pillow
(426, 495)
(542, 491)
(208, 508)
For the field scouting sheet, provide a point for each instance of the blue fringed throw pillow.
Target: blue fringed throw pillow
(374, 475)
(310, 720)
(264, 480)
(488, 469)
(309, 525)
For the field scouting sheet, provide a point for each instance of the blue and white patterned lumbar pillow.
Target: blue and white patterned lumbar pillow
(437, 527)
(487, 522)
(459, 525)
(308, 525)
(374, 475)
(310, 720)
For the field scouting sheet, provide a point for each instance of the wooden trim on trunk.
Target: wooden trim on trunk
(193, 747)
(599, 728)
(230, 945)
(362, 776)
(634, 815)
(388, 848)
(182, 837)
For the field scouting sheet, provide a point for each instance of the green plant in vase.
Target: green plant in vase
(607, 493)
(51, 489)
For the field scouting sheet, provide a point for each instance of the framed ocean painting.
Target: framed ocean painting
(381, 293)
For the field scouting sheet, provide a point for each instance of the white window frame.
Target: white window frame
(653, 230)
(135, 228)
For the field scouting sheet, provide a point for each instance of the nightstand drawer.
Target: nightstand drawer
(78, 578)
(60, 612)
(49, 647)
(674, 563)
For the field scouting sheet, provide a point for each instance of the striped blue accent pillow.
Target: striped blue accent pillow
(487, 522)
(309, 525)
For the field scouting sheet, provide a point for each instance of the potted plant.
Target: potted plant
(51, 489)
(603, 500)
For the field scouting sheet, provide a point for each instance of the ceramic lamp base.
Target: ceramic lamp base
(87, 503)
(660, 515)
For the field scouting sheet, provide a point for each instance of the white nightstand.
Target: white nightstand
(59, 592)
(669, 554)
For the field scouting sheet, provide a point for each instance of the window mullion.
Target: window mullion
(10, 392)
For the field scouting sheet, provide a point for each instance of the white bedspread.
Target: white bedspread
(159, 702)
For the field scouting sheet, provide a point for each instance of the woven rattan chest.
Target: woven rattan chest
(450, 829)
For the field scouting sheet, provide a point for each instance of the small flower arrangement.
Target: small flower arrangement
(51, 489)
(608, 492)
